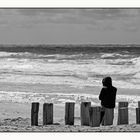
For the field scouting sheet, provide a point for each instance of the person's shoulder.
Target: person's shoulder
(114, 88)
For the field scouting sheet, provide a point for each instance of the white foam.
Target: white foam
(61, 98)
(112, 55)
(4, 54)
(73, 72)
(108, 55)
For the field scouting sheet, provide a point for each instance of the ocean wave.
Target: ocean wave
(33, 55)
(73, 69)
(17, 55)
(15, 64)
(114, 55)
(136, 61)
(30, 55)
(77, 81)
(6, 54)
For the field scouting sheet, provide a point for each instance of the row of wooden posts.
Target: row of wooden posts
(89, 115)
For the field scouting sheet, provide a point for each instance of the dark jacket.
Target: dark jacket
(108, 96)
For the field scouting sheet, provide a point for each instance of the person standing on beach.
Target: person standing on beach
(108, 99)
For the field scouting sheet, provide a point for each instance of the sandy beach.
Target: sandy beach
(15, 109)
(15, 117)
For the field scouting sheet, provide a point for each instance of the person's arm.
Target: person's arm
(101, 94)
(115, 92)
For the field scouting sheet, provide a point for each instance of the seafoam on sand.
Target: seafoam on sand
(61, 98)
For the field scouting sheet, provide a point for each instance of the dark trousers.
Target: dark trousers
(106, 116)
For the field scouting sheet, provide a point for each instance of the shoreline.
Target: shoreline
(15, 115)
(59, 94)
(60, 88)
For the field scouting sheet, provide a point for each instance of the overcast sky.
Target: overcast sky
(69, 26)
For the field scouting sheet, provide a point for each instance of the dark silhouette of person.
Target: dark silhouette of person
(107, 97)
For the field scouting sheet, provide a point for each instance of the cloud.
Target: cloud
(97, 19)
(110, 13)
(131, 27)
(79, 16)
(63, 16)
(106, 12)
(47, 12)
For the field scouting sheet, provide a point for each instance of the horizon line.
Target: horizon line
(31, 44)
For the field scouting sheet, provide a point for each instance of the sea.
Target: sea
(68, 66)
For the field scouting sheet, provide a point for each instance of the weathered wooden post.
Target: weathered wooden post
(34, 114)
(85, 113)
(69, 113)
(137, 115)
(123, 113)
(94, 116)
(108, 117)
(123, 104)
(123, 116)
(138, 104)
(47, 113)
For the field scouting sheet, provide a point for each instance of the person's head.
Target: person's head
(107, 81)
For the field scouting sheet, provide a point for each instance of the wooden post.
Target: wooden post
(94, 113)
(138, 104)
(69, 113)
(34, 114)
(47, 113)
(108, 117)
(85, 113)
(123, 104)
(137, 115)
(123, 116)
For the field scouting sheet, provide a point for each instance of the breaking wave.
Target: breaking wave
(76, 67)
